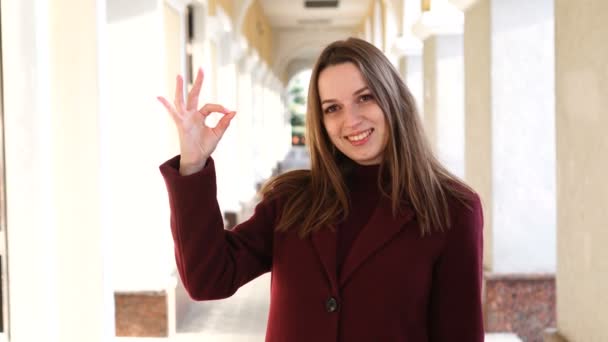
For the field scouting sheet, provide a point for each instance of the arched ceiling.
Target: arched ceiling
(299, 33)
(293, 14)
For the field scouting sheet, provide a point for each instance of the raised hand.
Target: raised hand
(197, 141)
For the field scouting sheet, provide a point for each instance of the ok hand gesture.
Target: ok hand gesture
(197, 141)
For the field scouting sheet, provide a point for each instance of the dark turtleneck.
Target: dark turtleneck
(364, 194)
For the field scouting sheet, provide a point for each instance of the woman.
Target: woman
(376, 242)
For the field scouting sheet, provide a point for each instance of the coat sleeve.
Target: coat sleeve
(456, 305)
(213, 262)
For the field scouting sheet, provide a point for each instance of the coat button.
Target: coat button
(331, 305)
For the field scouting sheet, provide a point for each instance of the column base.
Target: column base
(150, 313)
(523, 304)
(141, 314)
(552, 335)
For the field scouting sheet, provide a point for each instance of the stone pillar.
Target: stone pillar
(478, 106)
(581, 121)
(414, 78)
(227, 166)
(258, 122)
(510, 156)
(444, 98)
(409, 47)
(279, 140)
(269, 114)
(377, 28)
(247, 133)
(441, 31)
(146, 48)
(284, 118)
(54, 99)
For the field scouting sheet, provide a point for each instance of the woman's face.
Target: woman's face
(352, 117)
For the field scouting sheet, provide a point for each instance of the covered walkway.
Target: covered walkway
(512, 94)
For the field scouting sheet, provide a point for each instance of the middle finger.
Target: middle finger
(195, 91)
(179, 94)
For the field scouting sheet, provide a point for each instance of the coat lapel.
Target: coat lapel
(324, 242)
(380, 229)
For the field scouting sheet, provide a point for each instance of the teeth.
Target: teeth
(359, 137)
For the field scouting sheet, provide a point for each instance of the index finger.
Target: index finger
(213, 108)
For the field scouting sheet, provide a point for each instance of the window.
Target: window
(189, 44)
(425, 5)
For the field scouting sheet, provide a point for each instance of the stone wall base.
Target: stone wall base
(552, 335)
(142, 314)
(523, 304)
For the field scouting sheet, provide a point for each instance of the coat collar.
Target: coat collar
(381, 228)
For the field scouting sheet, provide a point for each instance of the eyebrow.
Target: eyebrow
(354, 94)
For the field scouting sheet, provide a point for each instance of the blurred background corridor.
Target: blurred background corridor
(512, 94)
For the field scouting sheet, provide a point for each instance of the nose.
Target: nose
(352, 116)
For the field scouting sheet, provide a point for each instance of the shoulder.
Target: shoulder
(464, 236)
(286, 184)
(465, 206)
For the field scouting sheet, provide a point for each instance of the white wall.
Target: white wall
(53, 102)
(523, 121)
(138, 136)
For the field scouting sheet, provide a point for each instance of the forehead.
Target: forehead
(340, 81)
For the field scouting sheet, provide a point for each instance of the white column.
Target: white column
(444, 98)
(276, 120)
(247, 134)
(138, 135)
(368, 29)
(284, 126)
(283, 141)
(510, 82)
(391, 32)
(268, 149)
(582, 193)
(478, 117)
(414, 78)
(441, 31)
(54, 96)
(258, 122)
(200, 45)
(409, 47)
(377, 30)
(226, 163)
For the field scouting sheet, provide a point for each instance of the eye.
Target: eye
(330, 109)
(366, 98)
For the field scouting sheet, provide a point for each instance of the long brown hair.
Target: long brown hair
(409, 173)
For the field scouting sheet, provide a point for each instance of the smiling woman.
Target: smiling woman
(353, 120)
(376, 242)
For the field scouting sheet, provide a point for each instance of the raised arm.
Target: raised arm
(213, 262)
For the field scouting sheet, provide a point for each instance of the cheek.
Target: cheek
(330, 128)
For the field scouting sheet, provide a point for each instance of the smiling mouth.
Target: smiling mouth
(360, 136)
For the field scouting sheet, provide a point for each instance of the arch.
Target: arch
(304, 44)
(243, 6)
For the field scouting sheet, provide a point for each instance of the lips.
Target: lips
(360, 136)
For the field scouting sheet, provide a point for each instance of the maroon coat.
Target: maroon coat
(394, 285)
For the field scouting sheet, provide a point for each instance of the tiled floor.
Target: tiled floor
(243, 315)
